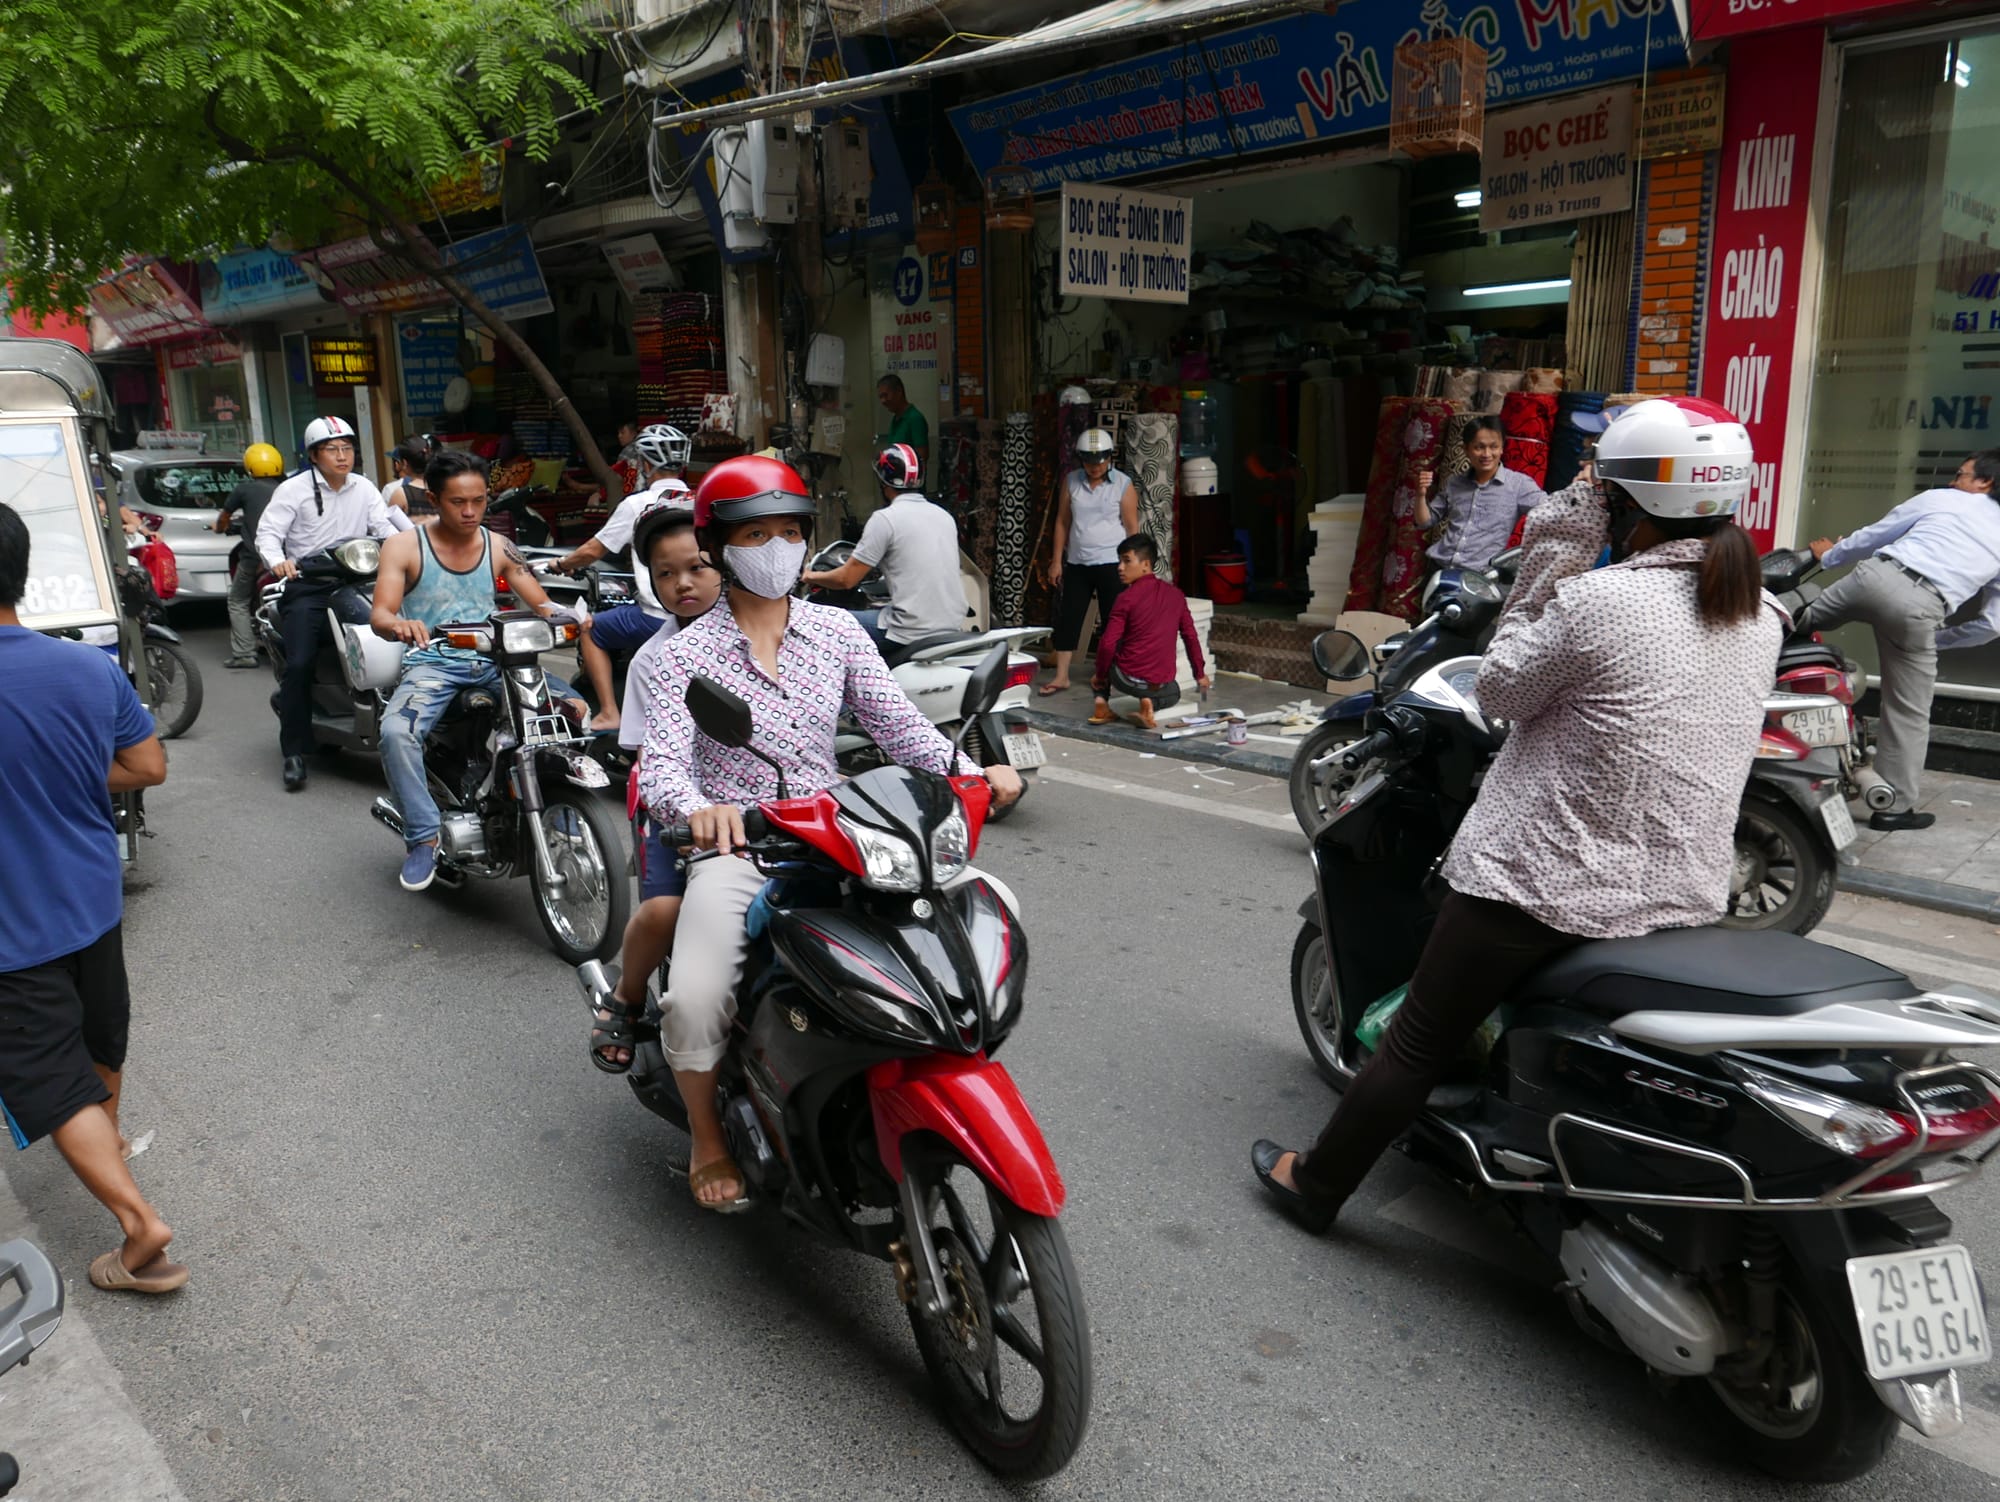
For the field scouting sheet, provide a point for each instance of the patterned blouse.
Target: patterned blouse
(1611, 811)
(826, 666)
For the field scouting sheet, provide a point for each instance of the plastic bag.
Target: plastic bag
(1375, 1022)
(157, 559)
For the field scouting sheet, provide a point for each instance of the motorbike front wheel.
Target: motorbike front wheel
(1316, 1003)
(586, 919)
(1318, 780)
(1010, 1351)
(176, 688)
(1784, 873)
(1809, 1413)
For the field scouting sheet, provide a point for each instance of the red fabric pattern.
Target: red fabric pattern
(1388, 555)
(1527, 456)
(1529, 414)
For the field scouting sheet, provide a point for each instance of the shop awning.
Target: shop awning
(1117, 20)
(149, 302)
(1712, 20)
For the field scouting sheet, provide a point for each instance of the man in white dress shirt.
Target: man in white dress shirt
(324, 504)
(1918, 564)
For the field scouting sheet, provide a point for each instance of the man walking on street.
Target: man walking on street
(246, 504)
(906, 423)
(1918, 564)
(324, 504)
(72, 733)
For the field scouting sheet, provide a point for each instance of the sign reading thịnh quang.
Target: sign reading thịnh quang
(1117, 242)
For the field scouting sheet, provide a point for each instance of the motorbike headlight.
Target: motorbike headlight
(951, 848)
(888, 861)
(520, 637)
(358, 555)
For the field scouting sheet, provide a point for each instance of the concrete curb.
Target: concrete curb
(1919, 891)
(1205, 748)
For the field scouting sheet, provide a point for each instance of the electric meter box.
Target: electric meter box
(846, 174)
(826, 361)
(771, 160)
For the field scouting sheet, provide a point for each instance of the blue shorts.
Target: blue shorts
(660, 872)
(624, 628)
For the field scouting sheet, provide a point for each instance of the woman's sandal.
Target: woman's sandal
(158, 1276)
(1052, 688)
(613, 1026)
(709, 1173)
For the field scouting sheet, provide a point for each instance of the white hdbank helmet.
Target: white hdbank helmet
(321, 429)
(1678, 457)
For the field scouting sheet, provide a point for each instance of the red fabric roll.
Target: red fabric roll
(1528, 457)
(1388, 555)
(1529, 414)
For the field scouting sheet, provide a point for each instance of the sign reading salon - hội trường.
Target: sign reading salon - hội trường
(1117, 242)
(1550, 162)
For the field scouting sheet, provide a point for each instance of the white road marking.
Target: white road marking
(1170, 800)
(1914, 960)
(76, 1434)
(1976, 1445)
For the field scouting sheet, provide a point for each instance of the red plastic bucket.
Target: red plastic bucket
(1227, 576)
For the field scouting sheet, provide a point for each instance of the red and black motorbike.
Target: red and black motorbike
(860, 1094)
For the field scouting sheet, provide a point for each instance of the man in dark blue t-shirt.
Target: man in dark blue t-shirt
(72, 733)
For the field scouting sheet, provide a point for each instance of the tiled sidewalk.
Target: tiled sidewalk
(1960, 853)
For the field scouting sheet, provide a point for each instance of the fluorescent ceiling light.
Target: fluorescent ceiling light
(1467, 199)
(1498, 288)
(1961, 73)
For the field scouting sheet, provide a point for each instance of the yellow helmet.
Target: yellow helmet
(263, 461)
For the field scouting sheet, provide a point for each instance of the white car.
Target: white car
(180, 492)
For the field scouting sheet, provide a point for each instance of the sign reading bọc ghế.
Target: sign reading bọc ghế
(1117, 242)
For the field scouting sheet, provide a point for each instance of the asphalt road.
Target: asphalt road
(438, 1256)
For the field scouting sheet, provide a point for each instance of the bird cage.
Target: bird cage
(1437, 98)
(937, 207)
(1010, 199)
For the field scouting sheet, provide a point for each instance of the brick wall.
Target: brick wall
(1280, 650)
(1671, 254)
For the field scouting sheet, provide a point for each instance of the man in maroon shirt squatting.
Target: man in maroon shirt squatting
(1135, 653)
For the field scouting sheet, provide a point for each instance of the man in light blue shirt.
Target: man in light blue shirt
(1917, 565)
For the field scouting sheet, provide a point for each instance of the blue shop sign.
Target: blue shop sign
(500, 266)
(428, 352)
(1296, 79)
(255, 284)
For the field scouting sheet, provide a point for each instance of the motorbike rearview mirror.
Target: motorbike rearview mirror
(1340, 655)
(984, 684)
(719, 714)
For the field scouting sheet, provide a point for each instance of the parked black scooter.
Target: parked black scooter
(1727, 1141)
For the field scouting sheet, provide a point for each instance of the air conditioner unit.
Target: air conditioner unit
(846, 174)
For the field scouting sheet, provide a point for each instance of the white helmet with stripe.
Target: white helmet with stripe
(1678, 457)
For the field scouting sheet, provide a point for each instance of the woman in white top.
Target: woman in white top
(1097, 507)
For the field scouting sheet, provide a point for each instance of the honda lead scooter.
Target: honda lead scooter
(860, 1095)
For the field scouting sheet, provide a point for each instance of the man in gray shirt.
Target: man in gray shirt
(1478, 509)
(915, 543)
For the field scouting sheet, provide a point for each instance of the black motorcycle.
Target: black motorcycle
(1727, 1141)
(172, 674)
(860, 1095)
(352, 676)
(517, 794)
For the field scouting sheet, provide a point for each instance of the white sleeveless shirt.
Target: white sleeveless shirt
(1096, 526)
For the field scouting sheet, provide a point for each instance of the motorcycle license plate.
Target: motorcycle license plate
(1826, 726)
(1919, 1311)
(1025, 750)
(1838, 821)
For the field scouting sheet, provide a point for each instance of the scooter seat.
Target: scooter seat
(896, 652)
(1710, 970)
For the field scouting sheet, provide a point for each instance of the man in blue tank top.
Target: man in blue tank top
(435, 576)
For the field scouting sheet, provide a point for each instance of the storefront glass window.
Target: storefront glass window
(1906, 376)
(214, 399)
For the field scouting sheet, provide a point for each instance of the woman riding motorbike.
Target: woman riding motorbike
(1636, 696)
(800, 667)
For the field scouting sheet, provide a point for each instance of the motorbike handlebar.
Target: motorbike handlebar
(756, 830)
(1367, 749)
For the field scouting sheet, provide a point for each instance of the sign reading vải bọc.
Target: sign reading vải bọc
(1123, 243)
(1294, 79)
(1551, 162)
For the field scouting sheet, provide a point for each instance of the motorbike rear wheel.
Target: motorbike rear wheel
(586, 920)
(176, 688)
(1814, 1416)
(1010, 1351)
(1784, 874)
(1318, 780)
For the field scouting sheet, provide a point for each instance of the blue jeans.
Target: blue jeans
(624, 628)
(419, 703)
(871, 622)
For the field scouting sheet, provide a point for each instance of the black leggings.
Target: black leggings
(1478, 951)
(1080, 581)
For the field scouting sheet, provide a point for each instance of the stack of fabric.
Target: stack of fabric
(679, 340)
(1529, 418)
(1388, 555)
(537, 430)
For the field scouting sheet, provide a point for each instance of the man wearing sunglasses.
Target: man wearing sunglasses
(322, 506)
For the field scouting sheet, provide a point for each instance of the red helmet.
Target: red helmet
(740, 490)
(899, 468)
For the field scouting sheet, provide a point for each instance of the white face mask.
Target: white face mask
(769, 571)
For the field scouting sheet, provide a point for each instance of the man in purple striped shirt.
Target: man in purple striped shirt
(799, 667)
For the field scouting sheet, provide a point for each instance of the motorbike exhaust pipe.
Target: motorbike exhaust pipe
(388, 814)
(1877, 794)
